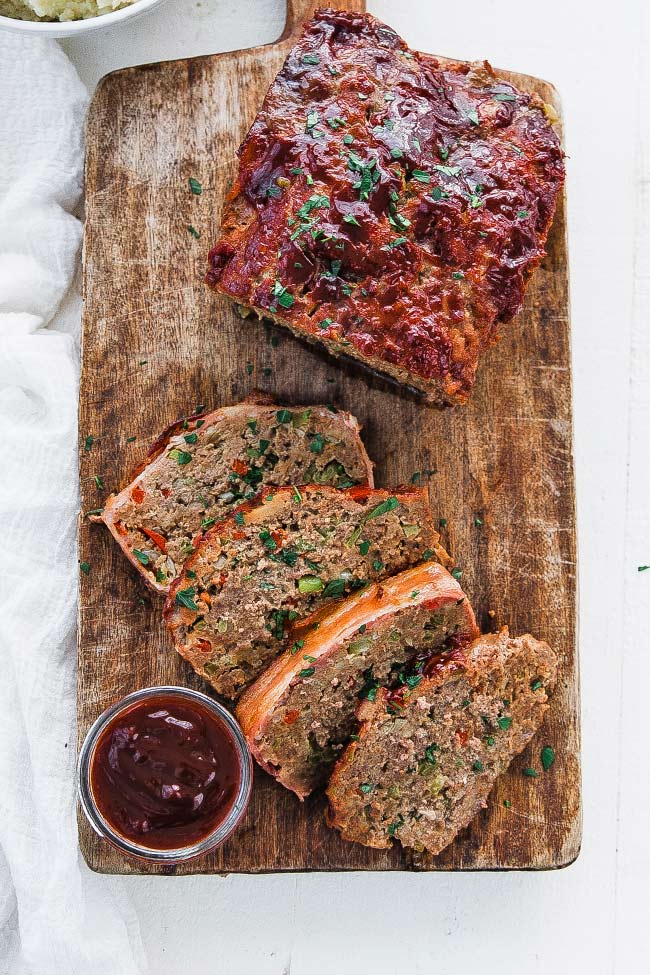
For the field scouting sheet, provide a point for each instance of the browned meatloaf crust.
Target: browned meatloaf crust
(201, 467)
(280, 558)
(389, 205)
(424, 766)
(299, 714)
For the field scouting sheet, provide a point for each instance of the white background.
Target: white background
(592, 917)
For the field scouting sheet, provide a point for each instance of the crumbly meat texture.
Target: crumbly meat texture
(204, 466)
(389, 205)
(275, 561)
(299, 715)
(423, 768)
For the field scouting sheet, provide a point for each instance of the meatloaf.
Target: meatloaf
(424, 765)
(389, 205)
(278, 559)
(299, 714)
(203, 466)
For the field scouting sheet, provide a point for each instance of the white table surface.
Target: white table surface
(592, 917)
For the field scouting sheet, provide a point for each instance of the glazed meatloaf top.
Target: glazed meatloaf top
(201, 467)
(299, 714)
(423, 766)
(276, 560)
(389, 204)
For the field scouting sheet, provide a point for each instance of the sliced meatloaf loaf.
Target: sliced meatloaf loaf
(203, 466)
(299, 714)
(389, 205)
(280, 558)
(424, 765)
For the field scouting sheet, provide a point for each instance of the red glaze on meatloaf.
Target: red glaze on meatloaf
(389, 204)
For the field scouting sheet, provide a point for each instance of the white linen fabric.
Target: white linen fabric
(55, 915)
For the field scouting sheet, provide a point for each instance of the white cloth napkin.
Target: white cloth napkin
(55, 915)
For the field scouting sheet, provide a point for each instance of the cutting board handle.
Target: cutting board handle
(300, 10)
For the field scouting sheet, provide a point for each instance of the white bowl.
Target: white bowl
(72, 28)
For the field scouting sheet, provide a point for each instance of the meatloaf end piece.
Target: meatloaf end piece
(299, 714)
(389, 205)
(422, 768)
(281, 558)
(202, 467)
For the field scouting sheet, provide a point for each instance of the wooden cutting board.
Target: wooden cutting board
(156, 343)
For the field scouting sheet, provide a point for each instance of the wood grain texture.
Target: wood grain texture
(156, 343)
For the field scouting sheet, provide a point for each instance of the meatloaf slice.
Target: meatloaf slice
(201, 467)
(280, 558)
(299, 714)
(423, 766)
(389, 205)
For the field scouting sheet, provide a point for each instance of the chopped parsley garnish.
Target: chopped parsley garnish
(185, 597)
(448, 170)
(142, 557)
(396, 152)
(307, 672)
(388, 505)
(98, 481)
(335, 587)
(478, 766)
(473, 116)
(88, 442)
(421, 176)
(85, 567)
(130, 439)
(297, 496)
(317, 443)
(442, 522)
(310, 59)
(284, 416)
(193, 231)
(195, 186)
(531, 773)
(502, 96)
(458, 275)
(366, 787)
(284, 298)
(399, 822)
(395, 243)
(643, 568)
(348, 139)
(267, 540)
(364, 547)
(504, 723)
(315, 202)
(536, 684)
(180, 456)
(548, 757)
(350, 218)
(249, 368)
(190, 437)
(239, 518)
(369, 690)
(207, 522)
(377, 565)
(457, 573)
(313, 118)
(522, 214)
(295, 647)
(507, 803)
(369, 174)
(439, 194)
(478, 521)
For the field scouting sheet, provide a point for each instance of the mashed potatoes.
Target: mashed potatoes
(59, 9)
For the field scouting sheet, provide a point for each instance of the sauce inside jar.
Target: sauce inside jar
(165, 773)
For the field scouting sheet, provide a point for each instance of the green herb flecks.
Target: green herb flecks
(548, 757)
(88, 442)
(185, 597)
(85, 567)
(195, 186)
(142, 557)
(193, 232)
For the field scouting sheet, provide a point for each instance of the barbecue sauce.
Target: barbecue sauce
(165, 773)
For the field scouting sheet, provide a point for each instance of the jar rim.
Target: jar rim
(141, 851)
